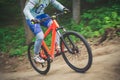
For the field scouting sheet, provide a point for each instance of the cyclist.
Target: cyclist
(34, 11)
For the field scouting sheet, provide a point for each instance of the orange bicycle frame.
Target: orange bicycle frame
(52, 28)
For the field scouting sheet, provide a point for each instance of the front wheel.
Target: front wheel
(40, 68)
(76, 51)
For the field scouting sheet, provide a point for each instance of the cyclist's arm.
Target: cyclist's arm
(57, 5)
(28, 7)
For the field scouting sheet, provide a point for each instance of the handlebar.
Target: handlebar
(51, 17)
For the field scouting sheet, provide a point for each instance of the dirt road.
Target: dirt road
(106, 66)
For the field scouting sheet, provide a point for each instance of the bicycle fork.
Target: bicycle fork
(61, 37)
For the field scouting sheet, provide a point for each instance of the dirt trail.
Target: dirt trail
(106, 66)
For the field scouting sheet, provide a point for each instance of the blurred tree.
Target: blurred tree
(28, 33)
(76, 11)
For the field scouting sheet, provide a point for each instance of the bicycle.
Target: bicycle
(74, 49)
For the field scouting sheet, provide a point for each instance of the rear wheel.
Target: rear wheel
(40, 68)
(79, 55)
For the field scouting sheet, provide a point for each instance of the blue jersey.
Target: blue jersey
(34, 8)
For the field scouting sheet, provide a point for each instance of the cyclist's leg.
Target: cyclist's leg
(38, 42)
(36, 29)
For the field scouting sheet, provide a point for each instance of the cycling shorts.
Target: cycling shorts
(36, 28)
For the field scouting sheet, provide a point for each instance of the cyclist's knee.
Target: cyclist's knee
(40, 36)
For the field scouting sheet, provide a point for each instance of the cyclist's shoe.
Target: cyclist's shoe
(58, 51)
(65, 50)
(38, 59)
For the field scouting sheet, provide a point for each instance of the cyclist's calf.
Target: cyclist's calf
(38, 42)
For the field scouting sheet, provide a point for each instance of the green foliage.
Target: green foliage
(94, 22)
(12, 40)
(18, 51)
